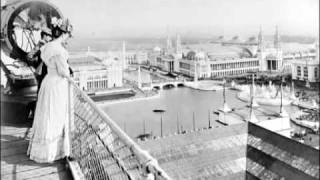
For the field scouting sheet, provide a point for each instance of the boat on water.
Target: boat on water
(173, 74)
(306, 105)
(106, 96)
(306, 119)
(162, 72)
(145, 136)
(314, 126)
(159, 110)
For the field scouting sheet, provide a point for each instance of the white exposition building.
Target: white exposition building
(102, 70)
(305, 66)
(96, 74)
(219, 60)
(206, 66)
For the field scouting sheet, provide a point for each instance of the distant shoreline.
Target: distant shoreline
(115, 44)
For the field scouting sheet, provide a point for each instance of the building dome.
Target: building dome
(191, 55)
(249, 51)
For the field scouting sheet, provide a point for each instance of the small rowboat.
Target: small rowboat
(158, 110)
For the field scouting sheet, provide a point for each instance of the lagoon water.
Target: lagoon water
(180, 101)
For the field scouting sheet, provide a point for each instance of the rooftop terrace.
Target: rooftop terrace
(15, 164)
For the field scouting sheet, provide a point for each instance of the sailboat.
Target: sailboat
(161, 111)
(145, 135)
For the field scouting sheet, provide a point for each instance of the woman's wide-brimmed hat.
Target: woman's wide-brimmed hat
(63, 24)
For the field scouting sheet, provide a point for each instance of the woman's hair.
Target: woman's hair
(60, 27)
(57, 32)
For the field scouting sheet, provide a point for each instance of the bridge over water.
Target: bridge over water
(160, 82)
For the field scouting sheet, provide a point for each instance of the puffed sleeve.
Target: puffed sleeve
(48, 51)
(61, 65)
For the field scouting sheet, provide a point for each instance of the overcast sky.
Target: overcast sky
(116, 18)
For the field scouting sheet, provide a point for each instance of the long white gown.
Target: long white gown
(50, 141)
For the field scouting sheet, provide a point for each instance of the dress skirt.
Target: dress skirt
(50, 138)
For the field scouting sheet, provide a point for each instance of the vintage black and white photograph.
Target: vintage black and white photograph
(160, 90)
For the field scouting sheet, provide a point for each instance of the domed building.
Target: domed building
(191, 55)
(214, 60)
(232, 58)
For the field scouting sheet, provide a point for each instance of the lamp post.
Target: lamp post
(194, 122)
(209, 119)
(161, 128)
(178, 124)
(144, 126)
(161, 111)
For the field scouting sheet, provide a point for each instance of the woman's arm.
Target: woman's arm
(62, 66)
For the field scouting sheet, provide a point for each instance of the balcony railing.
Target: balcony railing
(100, 149)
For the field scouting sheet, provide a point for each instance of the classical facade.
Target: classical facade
(251, 56)
(270, 58)
(231, 67)
(205, 66)
(305, 66)
(93, 74)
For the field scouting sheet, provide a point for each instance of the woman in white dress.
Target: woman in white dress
(49, 141)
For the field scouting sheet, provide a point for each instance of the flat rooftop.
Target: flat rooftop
(217, 153)
(240, 151)
(15, 164)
